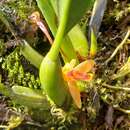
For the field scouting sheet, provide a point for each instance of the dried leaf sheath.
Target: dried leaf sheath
(35, 17)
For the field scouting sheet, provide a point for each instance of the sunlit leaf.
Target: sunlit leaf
(76, 12)
(48, 11)
(93, 47)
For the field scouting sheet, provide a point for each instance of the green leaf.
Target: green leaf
(93, 47)
(49, 14)
(55, 6)
(77, 37)
(31, 54)
(48, 11)
(52, 10)
(29, 97)
(79, 42)
(26, 96)
(76, 11)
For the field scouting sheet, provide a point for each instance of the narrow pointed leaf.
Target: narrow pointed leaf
(79, 42)
(49, 14)
(31, 54)
(93, 47)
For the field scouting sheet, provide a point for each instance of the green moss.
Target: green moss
(16, 72)
(21, 8)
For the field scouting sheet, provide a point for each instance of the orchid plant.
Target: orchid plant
(58, 82)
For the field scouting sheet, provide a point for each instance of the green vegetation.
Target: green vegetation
(60, 72)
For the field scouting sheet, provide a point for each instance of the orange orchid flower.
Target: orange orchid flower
(74, 74)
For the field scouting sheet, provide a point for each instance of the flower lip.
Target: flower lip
(76, 75)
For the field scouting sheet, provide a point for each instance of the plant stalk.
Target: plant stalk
(53, 53)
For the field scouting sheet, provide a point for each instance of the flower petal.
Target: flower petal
(75, 93)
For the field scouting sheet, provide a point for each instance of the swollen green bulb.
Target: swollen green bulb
(53, 83)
